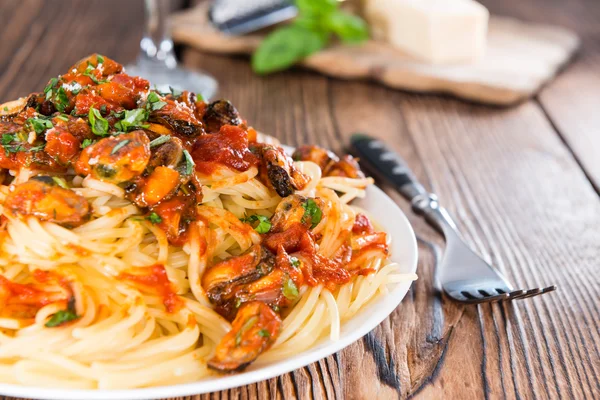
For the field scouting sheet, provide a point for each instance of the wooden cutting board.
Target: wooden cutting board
(520, 58)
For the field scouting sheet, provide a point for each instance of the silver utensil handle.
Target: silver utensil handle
(386, 164)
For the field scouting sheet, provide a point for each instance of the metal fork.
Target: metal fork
(463, 275)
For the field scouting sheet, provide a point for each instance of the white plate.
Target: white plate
(403, 251)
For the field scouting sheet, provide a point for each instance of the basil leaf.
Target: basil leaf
(264, 333)
(132, 119)
(87, 142)
(39, 125)
(97, 122)
(264, 224)
(189, 163)
(285, 47)
(160, 140)
(61, 100)
(63, 316)
(290, 291)
(349, 28)
(312, 213)
(295, 262)
(8, 138)
(119, 146)
(318, 7)
(154, 218)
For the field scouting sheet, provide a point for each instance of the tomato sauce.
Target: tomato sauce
(227, 147)
(157, 281)
(24, 299)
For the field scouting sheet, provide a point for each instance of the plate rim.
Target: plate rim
(273, 370)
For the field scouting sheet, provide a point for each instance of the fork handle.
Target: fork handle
(389, 166)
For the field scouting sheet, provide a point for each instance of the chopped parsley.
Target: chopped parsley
(5, 108)
(132, 119)
(189, 163)
(8, 138)
(61, 100)
(312, 213)
(87, 142)
(97, 122)
(154, 102)
(11, 144)
(247, 326)
(119, 146)
(89, 74)
(154, 218)
(175, 92)
(290, 291)
(264, 333)
(39, 125)
(160, 140)
(295, 262)
(49, 89)
(199, 97)
(63, 316)
(263, 226)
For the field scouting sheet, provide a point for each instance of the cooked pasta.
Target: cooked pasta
(149, 239)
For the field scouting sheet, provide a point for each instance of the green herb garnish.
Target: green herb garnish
(97, 122)
(49, 89)
(5, 108)
(295, 262)
(119, 146)
(311, 31)
(290, 291)
(89, 74)
(154, 102)
(199, 97)
(132, 119)
(39, 125)
(189, 163)
(87, 142)
(61, 100)
(100, 58)
(312, 213)
(63, 117)
(264, 333)
(154, 218)
(63, 316)
(263, 226)
(160, 140)
(247, 325)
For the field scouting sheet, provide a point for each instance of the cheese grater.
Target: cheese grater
(238, 17)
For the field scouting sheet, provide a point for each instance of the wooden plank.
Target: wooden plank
(520, 199)
(571, 100)
(516, 191)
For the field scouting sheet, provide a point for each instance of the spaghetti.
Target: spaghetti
(152, 238)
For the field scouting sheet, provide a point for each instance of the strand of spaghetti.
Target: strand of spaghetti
(299, 314)
(199, 235)
(334, 314)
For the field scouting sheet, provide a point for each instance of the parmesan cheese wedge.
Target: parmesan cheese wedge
(435, 31)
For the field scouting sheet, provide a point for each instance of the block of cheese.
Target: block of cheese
(434, 31)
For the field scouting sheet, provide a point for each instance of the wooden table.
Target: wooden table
(523, 183)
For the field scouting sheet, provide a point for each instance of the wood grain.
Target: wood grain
(519, 59)
(571, 101)
(512, 182)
